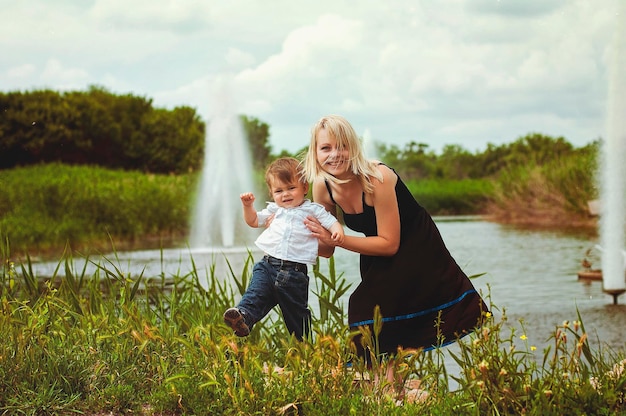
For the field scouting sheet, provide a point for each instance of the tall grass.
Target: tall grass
(112, 342)
(452, 197)
(554, 193)
(50, 205)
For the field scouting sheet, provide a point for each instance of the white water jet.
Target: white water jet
(613, 167)
(369, 147)
(227, 172)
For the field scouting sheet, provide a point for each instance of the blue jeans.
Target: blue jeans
(283, 285)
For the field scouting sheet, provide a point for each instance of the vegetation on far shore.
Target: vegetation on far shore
(45, 207)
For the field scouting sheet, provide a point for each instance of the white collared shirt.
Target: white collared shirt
(287, 238)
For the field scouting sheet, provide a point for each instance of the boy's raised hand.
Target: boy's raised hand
(338, 237)
(247, 199)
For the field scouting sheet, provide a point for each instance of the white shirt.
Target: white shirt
(287, 238)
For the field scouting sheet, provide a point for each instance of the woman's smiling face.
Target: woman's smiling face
(330, 157)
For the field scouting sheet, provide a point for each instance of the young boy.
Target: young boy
(281, 277)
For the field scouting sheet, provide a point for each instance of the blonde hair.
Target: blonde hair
(285, 169)
(341, 130)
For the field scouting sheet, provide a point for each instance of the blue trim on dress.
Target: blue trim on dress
(416, 314)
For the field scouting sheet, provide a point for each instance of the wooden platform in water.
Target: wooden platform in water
(590, 275)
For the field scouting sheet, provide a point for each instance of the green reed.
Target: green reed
(116, 342)
(559, 189)
(47, 206)
(452, 197)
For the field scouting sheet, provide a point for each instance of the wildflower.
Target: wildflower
(523, 337)
(476, 341)
(533, 348)
(566, 324)
(595, 383)
(618, 370)
(565, 375)
(483, 366)
(576, 325)
(547, 393)
(488, 315)
(503, 372)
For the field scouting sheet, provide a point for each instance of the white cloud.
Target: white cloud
(23, 71)
(455, 71)
(55, 72)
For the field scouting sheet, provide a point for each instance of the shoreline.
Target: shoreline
(581, 225)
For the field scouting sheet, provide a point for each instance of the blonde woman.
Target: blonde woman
(425, 299)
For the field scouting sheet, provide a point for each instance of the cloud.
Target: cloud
(454, 71)
(153, 16)
(64, 78)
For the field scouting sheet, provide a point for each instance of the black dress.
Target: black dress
(415, 288)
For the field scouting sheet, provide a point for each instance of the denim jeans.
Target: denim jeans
(272, 285)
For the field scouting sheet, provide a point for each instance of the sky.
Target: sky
(449, 72)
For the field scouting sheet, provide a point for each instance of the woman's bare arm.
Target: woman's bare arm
(320, 195)
(387, 242)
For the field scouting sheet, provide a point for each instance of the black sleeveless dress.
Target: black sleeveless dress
(415, 288)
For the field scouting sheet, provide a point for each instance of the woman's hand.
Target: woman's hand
(327, 245)
(317, 230)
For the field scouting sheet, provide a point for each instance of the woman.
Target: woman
(425, 299)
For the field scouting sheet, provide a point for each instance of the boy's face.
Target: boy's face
(288, 195)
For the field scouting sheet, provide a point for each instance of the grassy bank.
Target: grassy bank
(114, 343)
(551, 195)
(45, 207)
(453, 197)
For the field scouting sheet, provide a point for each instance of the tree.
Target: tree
(257, 134)
(99, 128)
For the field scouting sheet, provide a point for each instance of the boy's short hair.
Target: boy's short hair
(285, 169)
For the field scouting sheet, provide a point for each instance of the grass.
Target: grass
(555, 194)
(112, 342)
(452, 197)
(47, 206)
(44, 207)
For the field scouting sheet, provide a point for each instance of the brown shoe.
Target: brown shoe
(234, 319)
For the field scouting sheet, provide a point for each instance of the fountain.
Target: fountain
(613, 179)
(217, 222)
(369, 147)
(219, 237)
